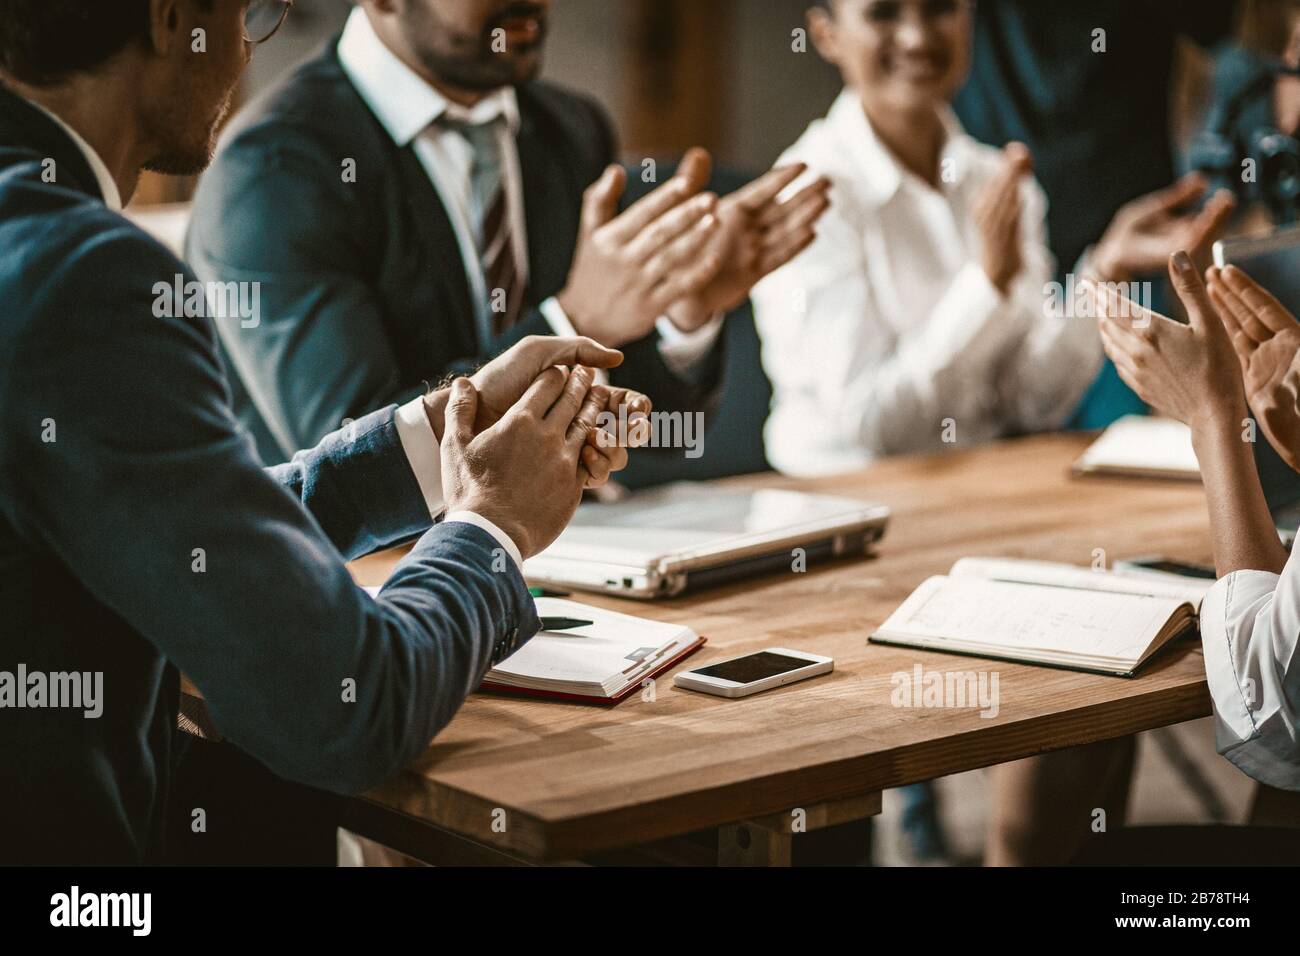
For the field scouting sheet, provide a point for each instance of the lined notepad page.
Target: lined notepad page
(1054, 573)
(1010, 617)
(615, 644)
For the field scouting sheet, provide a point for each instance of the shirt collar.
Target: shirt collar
(403, 101)
(107, 185)
(878, 172)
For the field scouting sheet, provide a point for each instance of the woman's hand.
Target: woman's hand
(1188, 372)
(1147, 230)
(997, 214)
(1266, 338)
(1191, 372)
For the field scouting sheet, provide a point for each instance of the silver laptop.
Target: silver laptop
(661, 543)
(1274, 262)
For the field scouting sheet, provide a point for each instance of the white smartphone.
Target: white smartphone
(755, 673)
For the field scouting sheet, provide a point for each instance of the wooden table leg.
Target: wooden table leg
(769, 840)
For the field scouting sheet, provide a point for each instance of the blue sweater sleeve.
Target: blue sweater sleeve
(154, 500)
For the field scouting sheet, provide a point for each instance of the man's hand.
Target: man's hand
(758, 235)
(1146, 231)
(502, 383)
(1188, 372)
(629, 268)
(524, 473)
(997, 215)
(1266, 339)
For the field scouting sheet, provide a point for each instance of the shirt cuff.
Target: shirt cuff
(1229, 618)
(421, 447)
(478, 521)
(558, 320)
(681, 351)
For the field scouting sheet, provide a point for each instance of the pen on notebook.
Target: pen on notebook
(547, 592)
(563, 623)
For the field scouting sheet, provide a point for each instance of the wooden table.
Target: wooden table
(542, 781)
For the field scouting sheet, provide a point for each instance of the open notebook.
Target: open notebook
(1138, 446)
(1040, 612)
(598, 664)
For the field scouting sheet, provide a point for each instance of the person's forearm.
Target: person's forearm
(1241, 527)
(359, 486)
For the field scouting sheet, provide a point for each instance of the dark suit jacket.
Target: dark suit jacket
(363, 294)
(140, 534)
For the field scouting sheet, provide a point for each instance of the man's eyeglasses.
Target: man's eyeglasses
(264, 18)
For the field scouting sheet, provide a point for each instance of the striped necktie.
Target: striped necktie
(494, 238)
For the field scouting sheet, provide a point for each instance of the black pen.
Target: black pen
(563, 623)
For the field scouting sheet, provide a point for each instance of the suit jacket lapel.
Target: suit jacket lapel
(552, 215)
(446, 267)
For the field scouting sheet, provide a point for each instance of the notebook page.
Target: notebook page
(1027, 618)
(1072, 576)
(614, 644)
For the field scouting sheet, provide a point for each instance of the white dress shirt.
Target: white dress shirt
(409, 108)
(1250, 628)
(413, 428)
(886, 335)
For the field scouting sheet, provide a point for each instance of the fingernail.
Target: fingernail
(1183, 263)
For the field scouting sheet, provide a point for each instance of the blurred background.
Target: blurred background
(715, 73)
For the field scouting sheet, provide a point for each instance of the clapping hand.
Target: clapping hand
(997, 215)
(1146, 231)
(1266, 338)
(501, 384)
(758, 235)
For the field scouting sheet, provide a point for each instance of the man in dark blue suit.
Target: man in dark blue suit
(139, 534)
(415, 200)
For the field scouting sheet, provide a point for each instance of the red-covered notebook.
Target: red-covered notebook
(601, 663)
